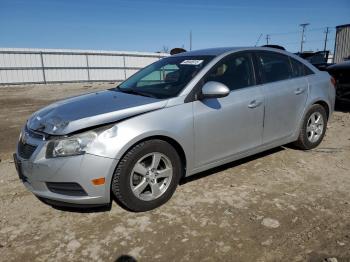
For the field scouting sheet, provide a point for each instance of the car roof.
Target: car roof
(226, 50)
(209, 51)
(222, 50)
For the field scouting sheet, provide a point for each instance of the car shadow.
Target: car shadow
(342, 107)
(213, 103)
(212, 171)
(126, 258)
(230, 165)
(76, 208)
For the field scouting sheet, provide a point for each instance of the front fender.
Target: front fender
(174, 122)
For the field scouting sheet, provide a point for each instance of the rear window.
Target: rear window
(299, 69)
(275, 67)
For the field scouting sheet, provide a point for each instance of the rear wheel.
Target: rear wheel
(313, 128)
(147, 175)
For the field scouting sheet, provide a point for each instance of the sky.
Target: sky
(145, 25)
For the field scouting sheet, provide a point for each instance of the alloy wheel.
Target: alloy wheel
(151, 176)
(314, 127)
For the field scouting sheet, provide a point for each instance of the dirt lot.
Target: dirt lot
(282, 205)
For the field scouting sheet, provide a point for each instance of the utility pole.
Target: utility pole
(267, 39)
(302, 36)
(190, 40)
(326, 39)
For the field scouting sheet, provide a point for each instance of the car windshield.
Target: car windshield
(166, 77)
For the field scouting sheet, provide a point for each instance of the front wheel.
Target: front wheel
(147, 175)
(313, 128)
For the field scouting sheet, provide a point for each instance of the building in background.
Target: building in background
(342, 43)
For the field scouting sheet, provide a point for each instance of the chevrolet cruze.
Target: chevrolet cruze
(181, 115)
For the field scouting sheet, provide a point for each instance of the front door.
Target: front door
(230, 125)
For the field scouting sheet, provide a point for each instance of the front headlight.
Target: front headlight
(70, 146)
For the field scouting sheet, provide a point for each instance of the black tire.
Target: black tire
(121, 187)
(303, 142)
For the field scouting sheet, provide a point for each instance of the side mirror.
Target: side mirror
(213, 89)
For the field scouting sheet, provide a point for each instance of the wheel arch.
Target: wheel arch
(325, 105)
(301, 141)
(318, 101)
(177, 146)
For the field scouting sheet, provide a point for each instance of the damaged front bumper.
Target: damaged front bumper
(63, 179)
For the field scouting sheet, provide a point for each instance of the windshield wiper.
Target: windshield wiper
(135, 92)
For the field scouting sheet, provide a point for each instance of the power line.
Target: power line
(267, 39)
(298, 43)
(319, 28)
(297, 32)
(257, 41)
(285, 33)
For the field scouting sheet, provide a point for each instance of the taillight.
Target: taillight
(333, 81)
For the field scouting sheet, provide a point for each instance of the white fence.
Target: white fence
(22, 66)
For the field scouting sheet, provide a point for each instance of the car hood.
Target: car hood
(90, 110)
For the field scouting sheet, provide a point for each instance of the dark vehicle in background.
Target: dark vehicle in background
(318, 59)
(341, 73)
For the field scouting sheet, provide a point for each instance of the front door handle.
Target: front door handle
(298, 91)
(254, 104)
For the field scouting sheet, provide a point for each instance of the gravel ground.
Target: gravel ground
(281, 205)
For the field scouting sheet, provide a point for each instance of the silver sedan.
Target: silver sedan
(176, 117)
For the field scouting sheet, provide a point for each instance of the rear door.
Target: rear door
(285, 95)
(232, 124)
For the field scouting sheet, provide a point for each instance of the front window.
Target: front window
(165, 78)
(235, 71)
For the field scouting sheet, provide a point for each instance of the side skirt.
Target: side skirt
(247, 153)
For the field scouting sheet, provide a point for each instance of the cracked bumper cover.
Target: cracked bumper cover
(37, 171)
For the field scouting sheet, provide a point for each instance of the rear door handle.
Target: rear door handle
(298, 91)
(254, 104)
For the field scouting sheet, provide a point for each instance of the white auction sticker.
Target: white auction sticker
(191, 62)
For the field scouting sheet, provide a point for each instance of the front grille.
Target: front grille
(68, 189)
(25, 150)
(34, 134)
